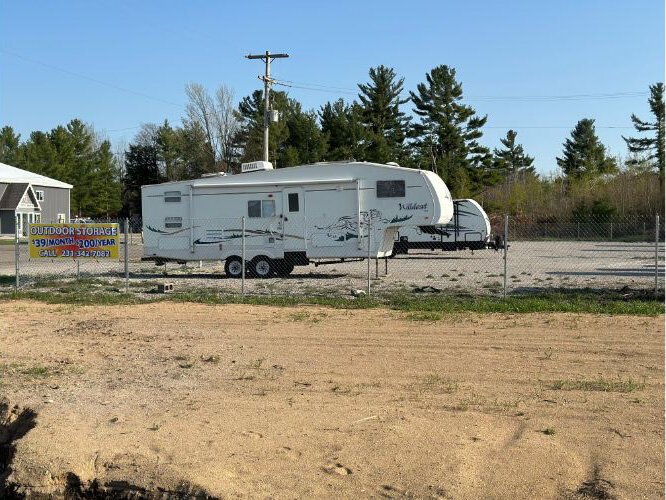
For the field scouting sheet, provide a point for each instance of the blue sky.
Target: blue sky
(53, 56)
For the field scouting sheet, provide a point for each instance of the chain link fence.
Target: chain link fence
(277, 256)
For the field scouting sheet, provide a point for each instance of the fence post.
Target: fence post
(126, 255)
(369, 240)
(578, 230)
(656, 256)
(17, 258)
(243, 256)
(506, 246)
(611, 230)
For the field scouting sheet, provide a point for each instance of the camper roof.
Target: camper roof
(325, 172)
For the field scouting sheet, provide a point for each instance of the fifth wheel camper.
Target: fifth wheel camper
(275, 219)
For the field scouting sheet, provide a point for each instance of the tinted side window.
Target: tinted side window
(293, 202)
(390, 189)
(254, 208)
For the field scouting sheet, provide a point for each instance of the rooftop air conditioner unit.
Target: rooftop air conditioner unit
(256, 166)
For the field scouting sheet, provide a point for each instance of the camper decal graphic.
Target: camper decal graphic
(168, 233)
(346, 227)
(237, 234)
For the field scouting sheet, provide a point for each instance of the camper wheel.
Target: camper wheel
(262, 267)
(233, 267)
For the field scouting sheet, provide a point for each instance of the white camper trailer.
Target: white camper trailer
(468, 229)
(291, 216)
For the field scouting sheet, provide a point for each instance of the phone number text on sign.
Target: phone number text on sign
(74, 241)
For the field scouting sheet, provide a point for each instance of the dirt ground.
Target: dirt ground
(248, 401)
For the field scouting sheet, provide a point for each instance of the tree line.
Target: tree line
(442, 133)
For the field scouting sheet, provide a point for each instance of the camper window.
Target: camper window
(390, 189)
(172, 196)
(173, 222)
(268, 208)
(254, 208)
(261, 208)
(293, 202)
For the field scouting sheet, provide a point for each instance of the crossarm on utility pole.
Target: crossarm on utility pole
(267, 58)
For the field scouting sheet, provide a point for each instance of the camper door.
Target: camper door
(293, 214)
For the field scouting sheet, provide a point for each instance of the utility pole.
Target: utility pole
(267, 58)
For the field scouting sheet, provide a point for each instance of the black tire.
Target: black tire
(283, 268)
(262, 267)
(233, 267)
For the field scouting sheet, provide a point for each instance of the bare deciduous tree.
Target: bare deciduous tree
(217, 118)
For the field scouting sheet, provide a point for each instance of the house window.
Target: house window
(261, 208)
(40, 195)
(390, 189)
(173, 222)
(293, 202)
(172, 196)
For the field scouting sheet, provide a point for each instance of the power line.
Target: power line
(328, 91)
(564, 97)
(89, 78)
(556, 127)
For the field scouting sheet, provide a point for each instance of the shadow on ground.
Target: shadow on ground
(15, 423)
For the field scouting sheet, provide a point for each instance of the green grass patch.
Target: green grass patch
(95, 291)
(35, 371)
(425, 316)
(601, 384)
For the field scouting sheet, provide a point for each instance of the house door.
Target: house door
(293, 217)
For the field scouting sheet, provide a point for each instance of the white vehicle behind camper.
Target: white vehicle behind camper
(468, 229)
(280, 218)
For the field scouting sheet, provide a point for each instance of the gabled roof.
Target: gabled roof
(13, 194)
(13, 175)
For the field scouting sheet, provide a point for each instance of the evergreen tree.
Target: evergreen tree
(651, 148)
(343, 129)
(584, 155)
(294, 139)
(106, 183)
(9, 146)
(193, 151)
(446, 137)
(169, 152)
(512, 160)
(141, 167)
(385, 124)
(81, 168)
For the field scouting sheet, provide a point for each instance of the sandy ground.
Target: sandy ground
(246, 401)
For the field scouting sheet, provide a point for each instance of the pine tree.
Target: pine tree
(9, 146)
(512, 160)
(106, 183)
(584, 155)
(652, 148)
(385, 124)
(141, 167)
(343, 129)
(446, 137)
(295, 139)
